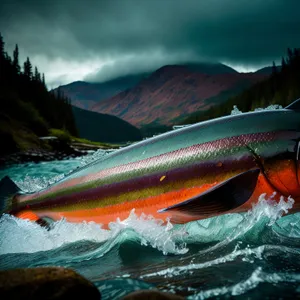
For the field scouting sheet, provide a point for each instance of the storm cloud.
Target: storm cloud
(71, 40)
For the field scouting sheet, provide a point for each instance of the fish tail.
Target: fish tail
(8, 203)
(8, 189)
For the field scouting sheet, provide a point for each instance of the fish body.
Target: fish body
(207, 169)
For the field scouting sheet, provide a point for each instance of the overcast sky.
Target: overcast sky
(101, 39)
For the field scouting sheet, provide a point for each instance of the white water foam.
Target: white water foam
(19, 236)
(100, 153)
(270, 107)
(265, 213)
(289, 227)
(152, 232)
(236, 111)
(267, 210)
(32, 184)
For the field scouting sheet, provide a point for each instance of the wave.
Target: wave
(256, 278)
(170, 257)
(23, 236)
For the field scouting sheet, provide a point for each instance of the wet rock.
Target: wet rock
(46, 283)
(151, 295)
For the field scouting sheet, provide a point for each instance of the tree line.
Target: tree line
(282, 88)
(24, 98)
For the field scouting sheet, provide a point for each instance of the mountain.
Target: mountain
(209, 68)
(104, 128)
(175, 91)
(85, 95)
(281, 88)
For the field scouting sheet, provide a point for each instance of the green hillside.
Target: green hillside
(28, 110)
(104, 128)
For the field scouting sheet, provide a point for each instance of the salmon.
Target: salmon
(211, 168)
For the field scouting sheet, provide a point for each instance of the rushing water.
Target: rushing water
(254, 255)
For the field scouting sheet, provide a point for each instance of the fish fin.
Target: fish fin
(45, 222)
(7, 190)
(294, 105)
(31, 216)
(223, 197)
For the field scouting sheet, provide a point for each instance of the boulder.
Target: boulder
(46, 283)
(151, 295)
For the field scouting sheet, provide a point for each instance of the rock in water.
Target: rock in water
(151, 295)
(46, 283)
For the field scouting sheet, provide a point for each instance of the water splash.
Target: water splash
(165, 238)
(227, 228)
(270, 107)
(19, 236)
(24, 236)
(84, 246)
(265, 213)
(32, 184)
(236, 111)
(49, 172)
(99, 154)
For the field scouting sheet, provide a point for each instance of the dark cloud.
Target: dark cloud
(131, 35)
(137, 63)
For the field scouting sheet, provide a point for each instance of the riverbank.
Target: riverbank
(54, 148)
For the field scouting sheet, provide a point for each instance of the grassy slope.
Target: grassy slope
(104, 128)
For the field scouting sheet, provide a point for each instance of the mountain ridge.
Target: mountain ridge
(85, 94)
(169, 93)
(172, 92)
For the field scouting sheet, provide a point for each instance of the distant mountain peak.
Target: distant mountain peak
(204, 68)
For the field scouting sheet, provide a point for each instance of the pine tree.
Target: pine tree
(37, 75)
(25, 98)
(296, 52)
(2, 57)
(7, 58)
(290, 56)
(28, 68)
(25, 68)
(274, 68)
(43, 80)
(283, 63)
(1, 46)
(16, 59)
